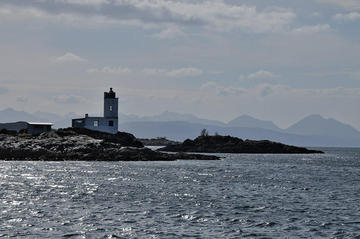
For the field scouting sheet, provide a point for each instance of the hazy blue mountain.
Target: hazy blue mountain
(179, 131)
(51, 117)
(317, 125)
(128, 118)
(313, 130)
(250, 122)
(168, 116)
(72, 115)
(11, 115)
(172, 116)
(65, 121)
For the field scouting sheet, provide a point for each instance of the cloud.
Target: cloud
(67, 99)
(22, 99)
(229, 91)
(85, 2)
(70, 57)
(3, 91)
(352, 16)
(181, 72)
(267, 90)
(312, 29)
(277, 90)
(215, 88)
(209, 86)
(261, 74)
(184, 72)
(218, 15)
(347, 4)
(42, 17)
(169, 33)
(338, 74)
(110, 70)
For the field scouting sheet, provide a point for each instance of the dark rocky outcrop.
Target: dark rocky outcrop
(82, 145)
(228, 144)
(160, 141)
(8, 132)
(123, 138)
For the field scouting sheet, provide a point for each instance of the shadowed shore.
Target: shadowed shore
(228, 144)
(82, 145)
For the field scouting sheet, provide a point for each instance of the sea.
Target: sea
(240, 196)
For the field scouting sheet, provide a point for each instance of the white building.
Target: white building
(33, 128)
(108, 123)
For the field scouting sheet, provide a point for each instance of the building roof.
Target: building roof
(90, 117)
(39, 123)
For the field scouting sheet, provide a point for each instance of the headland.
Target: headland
(228, 144)
(79, 144)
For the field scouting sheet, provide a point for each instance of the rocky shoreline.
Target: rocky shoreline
(83, 145)
(86, 145)
(228, 144)
(160, 141)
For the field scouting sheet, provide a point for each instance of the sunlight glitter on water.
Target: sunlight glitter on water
(240, 196)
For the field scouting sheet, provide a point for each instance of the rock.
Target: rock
(228, 144)
(160, 141)
(82, 145)
(8, 132)
(123, 138)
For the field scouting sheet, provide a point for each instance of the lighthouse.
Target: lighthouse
(108, 123)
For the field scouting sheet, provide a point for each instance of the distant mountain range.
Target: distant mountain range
(317, 125)
(180, 130)
(168, 116)
(11, 115)
(250, 122)
(313, 130)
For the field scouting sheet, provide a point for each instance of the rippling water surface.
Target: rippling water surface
(255, 196)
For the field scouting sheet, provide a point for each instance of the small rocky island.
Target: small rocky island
(228, 144)
(98, 139)
(79, 144)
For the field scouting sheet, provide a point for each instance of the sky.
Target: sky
(274, 60)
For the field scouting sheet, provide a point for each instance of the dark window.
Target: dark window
(111, 123)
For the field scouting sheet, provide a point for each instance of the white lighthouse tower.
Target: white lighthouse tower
(111, 110)
(108, 123)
